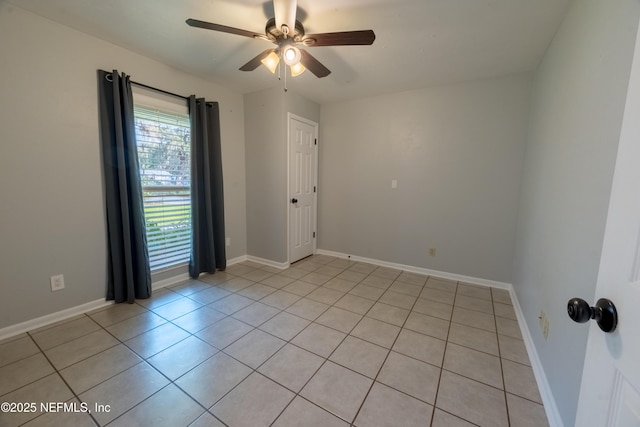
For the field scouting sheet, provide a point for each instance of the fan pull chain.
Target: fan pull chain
(285, 78)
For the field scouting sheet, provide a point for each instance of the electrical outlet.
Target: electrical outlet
(544, 324)
(432, 251)
(57, 282)
(227, 241)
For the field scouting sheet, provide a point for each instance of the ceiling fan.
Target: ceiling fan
(287, 34)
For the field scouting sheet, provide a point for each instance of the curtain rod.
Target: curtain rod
(108, 77)
(186, 98)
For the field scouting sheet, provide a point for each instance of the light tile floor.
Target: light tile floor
(326, 342)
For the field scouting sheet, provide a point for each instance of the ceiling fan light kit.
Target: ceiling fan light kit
(271, 62)
(297, 69)
(291, 55)
(286, 32)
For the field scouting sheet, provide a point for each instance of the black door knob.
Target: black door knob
(294, 200)
(604, 312)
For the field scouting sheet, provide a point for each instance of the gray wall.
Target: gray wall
(577, 104)
(52, 217)
(456, 153)
(266, 174)
(301, 106)
(266, 163)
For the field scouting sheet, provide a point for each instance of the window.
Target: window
(164, 152)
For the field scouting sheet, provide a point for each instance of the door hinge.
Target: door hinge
(314, 188)
(315, 141)
(314, 234)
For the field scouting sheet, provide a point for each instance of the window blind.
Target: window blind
(164, 153)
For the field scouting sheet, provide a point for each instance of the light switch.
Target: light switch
(394, 183)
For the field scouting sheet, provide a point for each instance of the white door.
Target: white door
(610, 389)
(303, 154)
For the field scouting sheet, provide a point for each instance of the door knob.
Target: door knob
(604, 312)
(294, 200)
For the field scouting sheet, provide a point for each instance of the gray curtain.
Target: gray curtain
(129, 275)
(207, 198)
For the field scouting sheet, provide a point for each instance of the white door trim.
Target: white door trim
(315, 125)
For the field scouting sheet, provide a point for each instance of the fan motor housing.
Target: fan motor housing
(277, 36)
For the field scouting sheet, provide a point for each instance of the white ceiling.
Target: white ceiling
(419, 43)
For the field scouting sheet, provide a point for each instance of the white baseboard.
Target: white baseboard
(267, 262)
(550, 407)
(419, 270)
(236, 260)
(58, 316)
(170, 281)
(48, 319)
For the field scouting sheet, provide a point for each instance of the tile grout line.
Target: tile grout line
(326, 359)
(281, 310)
(256, 369)
(146, 359)
(143, 360)
(444, 355)
(297, 394)
(504, 385)
(171, 382)
(57, 372)
(364, 315)
(119, 342)
(387, 357)
(265, 361)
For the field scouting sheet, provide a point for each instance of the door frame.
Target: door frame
(292, 116)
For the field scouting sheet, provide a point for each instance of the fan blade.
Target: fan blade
(344, 38)
(313, 65)
(255, 62)
(285, 14)
(223, 29)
